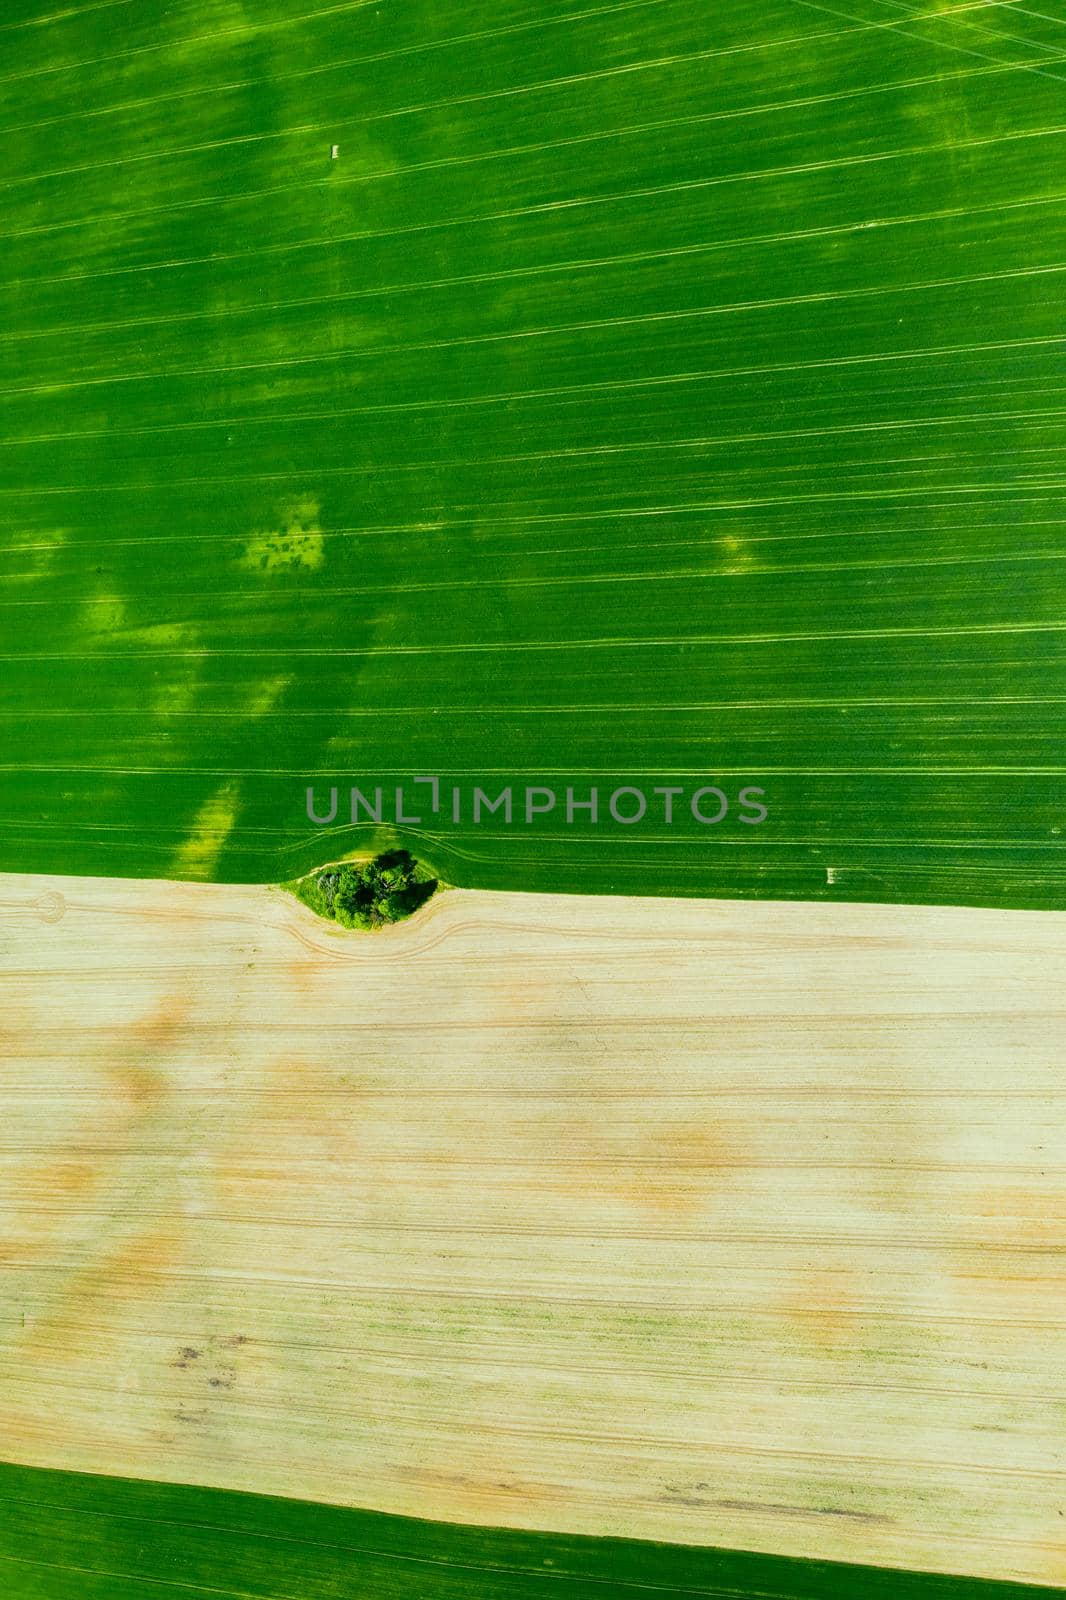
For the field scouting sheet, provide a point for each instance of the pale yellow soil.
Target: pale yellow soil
(719, 1223)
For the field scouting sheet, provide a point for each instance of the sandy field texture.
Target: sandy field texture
(736, 1224)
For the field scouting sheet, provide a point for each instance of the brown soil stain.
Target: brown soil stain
(820, 1307)
(1024, 1272)
(303, 1112)
(1023, 1218)
(126, 1271)
(135, 1071)
(664, 1172)
(70, 1178)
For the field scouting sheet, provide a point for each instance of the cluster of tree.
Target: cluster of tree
(386, 890)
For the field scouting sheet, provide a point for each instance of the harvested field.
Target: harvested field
(715, 1224)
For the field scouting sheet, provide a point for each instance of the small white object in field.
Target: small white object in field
(831, 874)
(334, 151)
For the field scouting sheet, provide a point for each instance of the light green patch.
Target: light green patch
(213, 824)
(175, 697)
(38, 562)
(740, 556)
(104, 612)
(165, 633)
(264, 696)
(296, 542)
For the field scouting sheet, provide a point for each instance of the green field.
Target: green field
(654, 391)
(64, 1534)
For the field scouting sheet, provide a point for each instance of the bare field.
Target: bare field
(738, 1224)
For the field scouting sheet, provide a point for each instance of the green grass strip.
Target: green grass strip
(537, 392)
(69, 1536)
